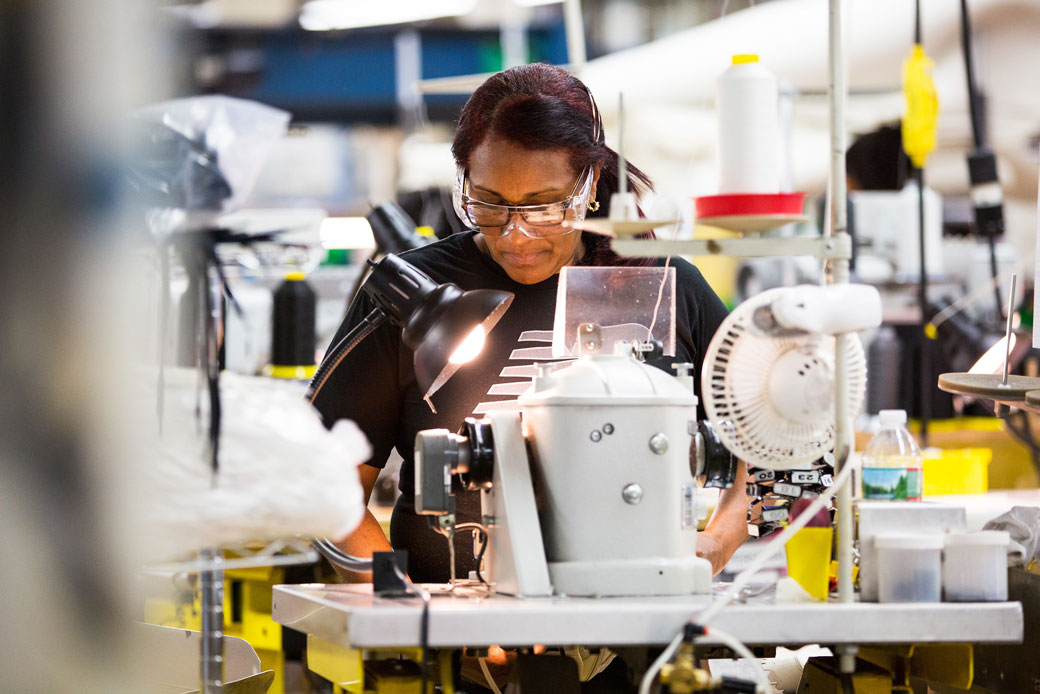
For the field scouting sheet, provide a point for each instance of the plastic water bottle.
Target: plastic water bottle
(748, 128)
(892, 461)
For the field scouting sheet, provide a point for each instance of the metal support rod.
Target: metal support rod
(211, 585)
(574, 26)
(748, 247)
(1007, 334)
(840, 273)
(926, 380)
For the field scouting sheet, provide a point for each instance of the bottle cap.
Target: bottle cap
(892, 418)
(295, 276)
(745, 58)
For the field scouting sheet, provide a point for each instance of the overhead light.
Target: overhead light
(347, 232)
(331, 15)
(536, 3)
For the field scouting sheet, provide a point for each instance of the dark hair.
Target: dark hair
(542, 106)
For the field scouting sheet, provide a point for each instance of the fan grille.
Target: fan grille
(735, 387)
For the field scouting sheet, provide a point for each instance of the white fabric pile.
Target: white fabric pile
(281, 472)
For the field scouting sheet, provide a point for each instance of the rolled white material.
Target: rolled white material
(748, 130)
(281, 472)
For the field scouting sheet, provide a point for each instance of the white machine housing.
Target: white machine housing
(610, 440)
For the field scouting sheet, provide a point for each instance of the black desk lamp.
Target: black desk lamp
(442, 324)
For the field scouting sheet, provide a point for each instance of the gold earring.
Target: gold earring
(594, 205)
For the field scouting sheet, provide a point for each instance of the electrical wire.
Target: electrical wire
(764, 685)
(424, 624)
(341, 559)
(485, 537)
(978, 133)
(734, 644)
(487, 675)
(655, 667)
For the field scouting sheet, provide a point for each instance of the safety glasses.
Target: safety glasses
(539, 220)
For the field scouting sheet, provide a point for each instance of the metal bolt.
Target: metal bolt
(596, 435)
(632, 493)
(659, 443)
(608, 428)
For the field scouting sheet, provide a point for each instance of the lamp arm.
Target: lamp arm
(335, 355)
(340, 558)
(332, 359)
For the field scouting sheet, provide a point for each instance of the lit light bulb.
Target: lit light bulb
(470, 347)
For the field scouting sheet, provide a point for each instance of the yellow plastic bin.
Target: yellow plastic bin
(956, 471)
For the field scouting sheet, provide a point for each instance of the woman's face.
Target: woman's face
(504, 173)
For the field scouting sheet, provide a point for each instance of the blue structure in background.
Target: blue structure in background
(350, 77)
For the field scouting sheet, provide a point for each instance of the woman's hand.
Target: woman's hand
(710, 547)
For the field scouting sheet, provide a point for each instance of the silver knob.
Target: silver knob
(659, 443)
(632, 493)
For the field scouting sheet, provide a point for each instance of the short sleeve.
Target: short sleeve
(364, 385)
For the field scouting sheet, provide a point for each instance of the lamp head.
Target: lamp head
(443, 325)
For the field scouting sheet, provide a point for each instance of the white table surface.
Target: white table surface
(350, 615)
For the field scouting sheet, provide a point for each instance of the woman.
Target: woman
(531, 154)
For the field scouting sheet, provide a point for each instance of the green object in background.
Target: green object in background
(490, 56)
(1025, 312)
(337, 256)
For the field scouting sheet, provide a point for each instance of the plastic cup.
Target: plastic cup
(809, 560)
(975, 566)
(909, 567)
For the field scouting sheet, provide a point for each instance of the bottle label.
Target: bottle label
(914, 484)
(885, 482)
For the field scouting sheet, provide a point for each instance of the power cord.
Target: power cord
(424, 625)
(484, 535)
(487, 675)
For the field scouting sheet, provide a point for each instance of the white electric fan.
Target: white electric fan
(768, 375)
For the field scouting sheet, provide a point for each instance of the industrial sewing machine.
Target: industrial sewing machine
(589, 487)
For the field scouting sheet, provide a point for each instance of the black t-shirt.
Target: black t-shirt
(374, 385)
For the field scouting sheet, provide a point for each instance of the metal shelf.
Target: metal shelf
(838, 247)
